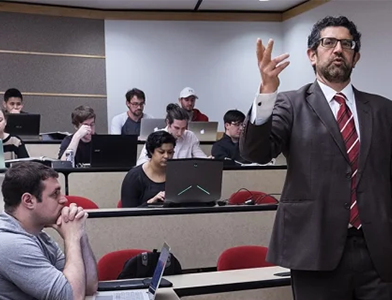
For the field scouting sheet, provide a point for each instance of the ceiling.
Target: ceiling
(188, 5)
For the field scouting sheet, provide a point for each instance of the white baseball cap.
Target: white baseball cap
(188, 91)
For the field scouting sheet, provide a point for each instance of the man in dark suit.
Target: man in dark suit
(333, 227)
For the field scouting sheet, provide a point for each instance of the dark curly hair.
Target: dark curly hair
(157, 139)
(341, 21)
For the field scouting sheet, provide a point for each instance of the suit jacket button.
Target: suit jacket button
(346, 205)
(348, 175)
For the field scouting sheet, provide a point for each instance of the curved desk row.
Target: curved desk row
(197, 236)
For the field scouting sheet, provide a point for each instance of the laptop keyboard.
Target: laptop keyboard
(131, 295)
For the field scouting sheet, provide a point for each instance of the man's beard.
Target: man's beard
(336, 74)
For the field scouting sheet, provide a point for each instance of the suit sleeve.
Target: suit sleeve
(262, 143)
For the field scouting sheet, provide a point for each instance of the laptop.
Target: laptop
(193, 182)
(148, 126)
(23, 124)
(109, 150)
(118, 292)
(204, 131)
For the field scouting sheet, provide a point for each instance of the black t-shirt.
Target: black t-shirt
(137, 188)
(226, 148)
(131, 127)
(83, 153)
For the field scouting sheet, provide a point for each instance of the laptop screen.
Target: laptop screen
(159, 269)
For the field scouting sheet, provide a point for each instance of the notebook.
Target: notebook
(148, 126)
(142, 294)
(204, 131)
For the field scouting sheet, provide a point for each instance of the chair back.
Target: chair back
(119, 204)
(111, 264)
(239, 198)
(81, 201)
(243, 257)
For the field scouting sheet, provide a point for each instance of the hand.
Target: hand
(15, 111)
(211, 157)
(83, 131)
(269, 69)
(157, 198)
(71, 222)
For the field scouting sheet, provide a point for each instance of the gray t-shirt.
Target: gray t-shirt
(30, 266)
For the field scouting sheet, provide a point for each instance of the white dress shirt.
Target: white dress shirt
(187, 146)
(261, 113)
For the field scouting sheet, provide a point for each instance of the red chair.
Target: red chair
(119, 204)
(111, 264)
(81, 201)
(240, 197)
(243, 257)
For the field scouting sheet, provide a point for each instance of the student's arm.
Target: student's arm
(195, 144)
(131, 189)
(220, 152)
(143, 156)
(116, 125)
(73, 145)
(90, 266)
(21, 151)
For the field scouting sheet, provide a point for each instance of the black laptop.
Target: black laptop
(108, 151)
(193, 182)
(23, 124)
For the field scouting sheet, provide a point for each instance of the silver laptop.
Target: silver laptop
(193, 181)
(204, 131)
(143, 294)
(148, 126)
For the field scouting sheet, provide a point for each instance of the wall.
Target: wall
(53, 70)
(217, 59)
(373, 21)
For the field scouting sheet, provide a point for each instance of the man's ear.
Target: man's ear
(4, 104)
(28, 201)
(356, 58)
(127, 103)
(312, 55)
(226, 126)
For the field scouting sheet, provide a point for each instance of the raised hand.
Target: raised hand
(269, 68)
(83, 131)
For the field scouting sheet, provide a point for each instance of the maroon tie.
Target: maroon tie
(346, 124)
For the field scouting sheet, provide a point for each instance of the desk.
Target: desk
(162, 294)
(197, 236)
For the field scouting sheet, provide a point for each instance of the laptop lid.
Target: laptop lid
(204, 131)
(193, 180)
(148, 126)
(23, 124)
(109, 150)
(159, 269)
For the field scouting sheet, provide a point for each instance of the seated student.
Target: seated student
(13, 101)
(228, 146)
(145, 184)
(187, 144)
(32, 266)
(83, 118)
(13, 146)
(187, 101)
(129, 121)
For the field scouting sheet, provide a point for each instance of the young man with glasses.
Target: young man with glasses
(227, 147)
(129, 121)
(333, 228)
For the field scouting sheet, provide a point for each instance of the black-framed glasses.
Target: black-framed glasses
(137, 104)
(237, 124)
(329, 42)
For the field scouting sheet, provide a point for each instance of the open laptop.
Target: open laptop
(109, 150)
(24, 125)
(142, 294)
(193, 182)
(204, 131)
(148, 126)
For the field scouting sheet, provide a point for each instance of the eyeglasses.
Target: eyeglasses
(136, 104)
(330, 43)
(237, 124)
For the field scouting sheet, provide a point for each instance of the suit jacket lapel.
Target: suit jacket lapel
(365, 121)
(319, 104)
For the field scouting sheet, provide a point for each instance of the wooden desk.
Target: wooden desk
(162, 294)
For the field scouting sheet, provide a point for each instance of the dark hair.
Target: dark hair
(135, 92)
(233, 116)
(81, 114)
(12, 93)
(156, 139)
(24, 177)
(341, 21)
(175, 112)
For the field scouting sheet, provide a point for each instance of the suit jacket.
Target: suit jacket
(310, 228)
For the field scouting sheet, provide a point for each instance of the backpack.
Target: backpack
(143, 265)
